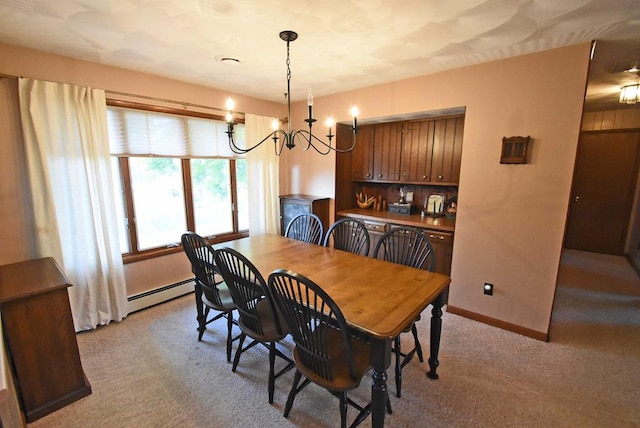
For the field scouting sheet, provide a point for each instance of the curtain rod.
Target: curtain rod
(164, 100)
(146, 97)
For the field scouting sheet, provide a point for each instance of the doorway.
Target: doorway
(604, 184)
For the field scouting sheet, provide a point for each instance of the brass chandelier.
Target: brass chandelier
(289, 137)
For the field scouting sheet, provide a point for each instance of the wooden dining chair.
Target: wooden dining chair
(348, 234)
(326, 352)
(211, 292)
(305, 227)
(258, 317)
(410, 247)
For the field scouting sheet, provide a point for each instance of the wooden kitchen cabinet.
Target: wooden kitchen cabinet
(447, 150)
(40, 337)
(442, 243)
(425, 151)
(417, 151)
(362, 154)
(375, 230)
(387, 149)
(292, 205)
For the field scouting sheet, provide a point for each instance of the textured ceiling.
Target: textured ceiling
(342, 44)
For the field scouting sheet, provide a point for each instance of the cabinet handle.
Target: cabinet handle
(368, 175)
(440, 177)
(379, 175)
(424, 177)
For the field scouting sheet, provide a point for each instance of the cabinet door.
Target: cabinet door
(447, 150)
(376, 230)
(289, 209)
(362, 154)
(442, 244)
(388, 149)
(417, 150)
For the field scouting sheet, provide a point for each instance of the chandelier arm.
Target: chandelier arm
(240, 150)
(309, 139)
(283, 140)
(302, 136)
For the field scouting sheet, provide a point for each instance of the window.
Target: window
(176, 173)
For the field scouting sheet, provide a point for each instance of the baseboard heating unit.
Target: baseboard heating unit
(159, 295)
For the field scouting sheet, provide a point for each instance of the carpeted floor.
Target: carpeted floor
(150, 370)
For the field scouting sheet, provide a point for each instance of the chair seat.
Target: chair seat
(342, 381)
(269, 327)
(225, 299)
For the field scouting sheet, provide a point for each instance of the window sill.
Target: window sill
(165, 251)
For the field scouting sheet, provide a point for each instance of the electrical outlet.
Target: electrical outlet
(488, 289)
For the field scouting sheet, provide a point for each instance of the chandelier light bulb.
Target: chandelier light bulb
(275, 124)
(230, 104)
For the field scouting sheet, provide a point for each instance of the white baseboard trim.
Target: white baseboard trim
(159, 295)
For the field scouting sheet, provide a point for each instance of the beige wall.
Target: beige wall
(14, 227)
(511, 218)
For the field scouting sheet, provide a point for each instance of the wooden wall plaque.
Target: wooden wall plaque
(514, 150)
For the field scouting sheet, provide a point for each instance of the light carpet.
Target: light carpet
(150, 371)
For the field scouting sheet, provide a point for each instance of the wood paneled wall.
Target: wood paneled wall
(611, 119)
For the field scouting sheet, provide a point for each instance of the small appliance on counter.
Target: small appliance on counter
(400, 208)
(436, 204)
(403, 206)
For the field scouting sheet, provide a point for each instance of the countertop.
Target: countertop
(415, 220)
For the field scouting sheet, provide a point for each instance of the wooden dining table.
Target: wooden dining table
(378, 298)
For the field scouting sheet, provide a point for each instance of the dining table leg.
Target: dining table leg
(436, 329)
(380, 359)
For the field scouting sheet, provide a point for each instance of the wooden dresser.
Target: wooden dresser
(292, 205)
(40, 338)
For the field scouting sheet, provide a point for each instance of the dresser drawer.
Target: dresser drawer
(439, 237)
(376, 227)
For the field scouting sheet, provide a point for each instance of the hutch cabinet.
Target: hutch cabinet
(40, 338)
(292, 205)
(425, 151)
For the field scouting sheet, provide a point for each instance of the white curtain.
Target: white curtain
(263, 177)
(69, 169)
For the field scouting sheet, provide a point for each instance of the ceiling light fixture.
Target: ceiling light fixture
(630, 94)
(229, 60)
(288, 138)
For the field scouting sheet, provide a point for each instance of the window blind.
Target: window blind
(143, 133)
